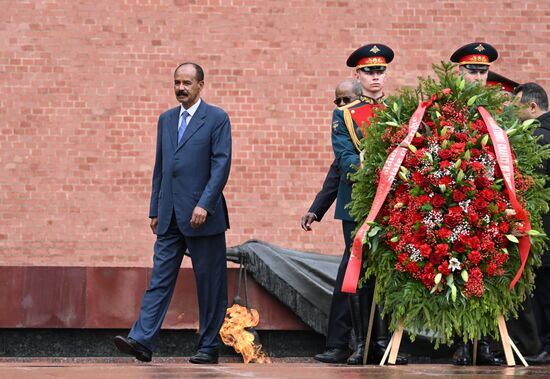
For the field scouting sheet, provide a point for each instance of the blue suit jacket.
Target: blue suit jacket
(192, 173)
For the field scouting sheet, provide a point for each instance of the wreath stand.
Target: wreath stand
(393, 346)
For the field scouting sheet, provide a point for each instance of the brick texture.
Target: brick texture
(82, 85)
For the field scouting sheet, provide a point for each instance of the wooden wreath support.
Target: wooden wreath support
(369, 329)
(507, 344)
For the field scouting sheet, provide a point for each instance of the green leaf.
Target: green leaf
(395, 239)
(484, 140)
(453, 292)
(392, 123)
(395, 107)
(512, 238)
(535, 233)
(437, 278)
(372, 232)
(464, 275)
(375, 242)
(458, 164)
(412, 148)
(472, 100)
(528, 123)
(460, 176)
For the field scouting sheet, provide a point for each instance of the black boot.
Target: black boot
(333, 355)
(359, 305)
(486, 357)
(381, 340)
(462, 355)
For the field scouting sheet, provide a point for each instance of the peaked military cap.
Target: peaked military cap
(371, 57)
(475, 55)
(494, 79)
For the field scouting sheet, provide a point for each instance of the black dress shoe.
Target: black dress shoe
(486, 357)
(357, 357)
(378, 351)
(333, 355)
(462, 355)
(204, 358)
(132, 347)
(541, 359)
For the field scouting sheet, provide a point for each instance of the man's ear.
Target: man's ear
(533, 107)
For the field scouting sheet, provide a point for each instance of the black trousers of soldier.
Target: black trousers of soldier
(541, 301)
(339, 322)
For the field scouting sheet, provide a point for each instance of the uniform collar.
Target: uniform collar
(370, 100)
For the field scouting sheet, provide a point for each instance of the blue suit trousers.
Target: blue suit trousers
(208, 257)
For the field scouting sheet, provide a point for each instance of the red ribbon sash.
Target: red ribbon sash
(504, 158)
(387, 176)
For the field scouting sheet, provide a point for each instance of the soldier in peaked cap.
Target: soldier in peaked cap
(474, 60)
(370, 63)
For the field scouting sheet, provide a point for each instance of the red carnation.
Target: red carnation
(480, 204)
(445, 154)
(474, 285)
(487, 245)
(491, 269)
(504, 227)
(444, 268)
(474, 257)
(482, 181)
(446, 180)
(459, 246)
(487, 194)
(402, 257)
(413, 268)
(458, 147)
(444, 164)
(472, 217)
(438, 200)
(458, 196)
(425, 250)
(441, 249)
(462, 137)
(444, 233)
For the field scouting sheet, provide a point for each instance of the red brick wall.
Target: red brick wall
(82, 86)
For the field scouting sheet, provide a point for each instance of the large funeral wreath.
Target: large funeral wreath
(445, 245)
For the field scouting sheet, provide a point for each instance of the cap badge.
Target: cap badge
(480, 48)
(375, 49)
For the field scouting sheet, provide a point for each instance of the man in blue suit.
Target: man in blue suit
(188, 212)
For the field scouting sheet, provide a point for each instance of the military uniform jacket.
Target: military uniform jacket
(347, 124)
(544, 131)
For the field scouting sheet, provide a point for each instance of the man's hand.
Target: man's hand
(307, 220)
(198, 218)
(154, 223)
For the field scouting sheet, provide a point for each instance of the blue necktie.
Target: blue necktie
(183, 125)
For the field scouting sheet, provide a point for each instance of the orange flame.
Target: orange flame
(233, 333)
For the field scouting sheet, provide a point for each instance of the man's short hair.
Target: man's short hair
(198, 69)
(533, 93)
